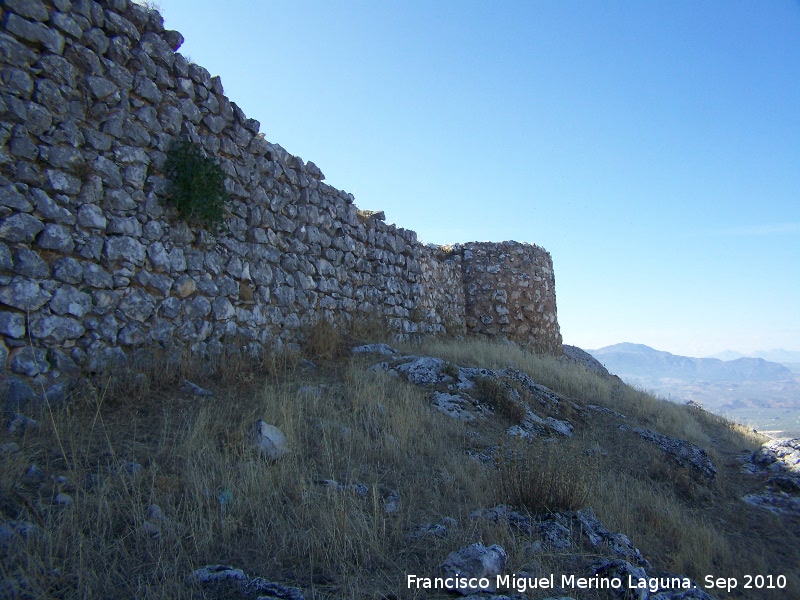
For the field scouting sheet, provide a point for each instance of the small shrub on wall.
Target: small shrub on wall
(197, 185)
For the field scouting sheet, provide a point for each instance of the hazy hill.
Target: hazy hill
(643, 361)
(778, 355)
(760, 393)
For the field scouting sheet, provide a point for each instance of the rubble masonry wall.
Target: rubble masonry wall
(93, 263)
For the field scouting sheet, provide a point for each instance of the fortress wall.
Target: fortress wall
(94, 263)
(442, 300)
(510, 292)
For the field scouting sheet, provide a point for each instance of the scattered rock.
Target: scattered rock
(63, 499)
(187, 387)
(9, 447)
(617, 543)
(357, 488)
(453, 406)
(269, 590)
(603, 409)
(522, 432)
(151, 529)
(563, 529)
(474, 562)
(575, 355)
(422, 370)
(268, 440)
(33, 476)
(11, 531)
(780, 459)
(624, 571)
(486, 457)
(685, 453)
(383, 349)
(428, 530)
(127, 467)
(504, 513)
(249, 587)
(779, 455)
(595, 450)
(779, 503)
(391, 502)
(216, 574)
(561, 427)
(20, 424)
(131, 467)
(429, 371)
(154, 513)
(543, 394)
(555, 534)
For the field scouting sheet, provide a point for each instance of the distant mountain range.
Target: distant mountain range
(778, 355)
(750, 390)
(638, 360)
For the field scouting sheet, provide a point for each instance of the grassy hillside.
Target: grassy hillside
(220, 503)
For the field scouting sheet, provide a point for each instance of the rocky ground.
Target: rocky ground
(520, 551)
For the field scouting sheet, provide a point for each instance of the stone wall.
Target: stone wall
(94, 264)
(510, 292)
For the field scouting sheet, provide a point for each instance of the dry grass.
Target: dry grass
(323, 341)
(499, 396)
(222, 504)
(544, 478)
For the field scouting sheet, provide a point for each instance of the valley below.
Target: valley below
(773, 408)
(758, 393)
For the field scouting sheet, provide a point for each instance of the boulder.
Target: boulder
(422, 370)
(452, 405)
(268, 440)
(779, 455)
(685, 453)
(575, 355)
(477, 563)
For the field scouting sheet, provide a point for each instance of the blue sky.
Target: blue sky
(653, 148)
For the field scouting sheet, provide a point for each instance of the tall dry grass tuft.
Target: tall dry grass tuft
(499, 396)
(323, 341)
(542, 478)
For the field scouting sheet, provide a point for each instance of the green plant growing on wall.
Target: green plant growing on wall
(197, 185)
